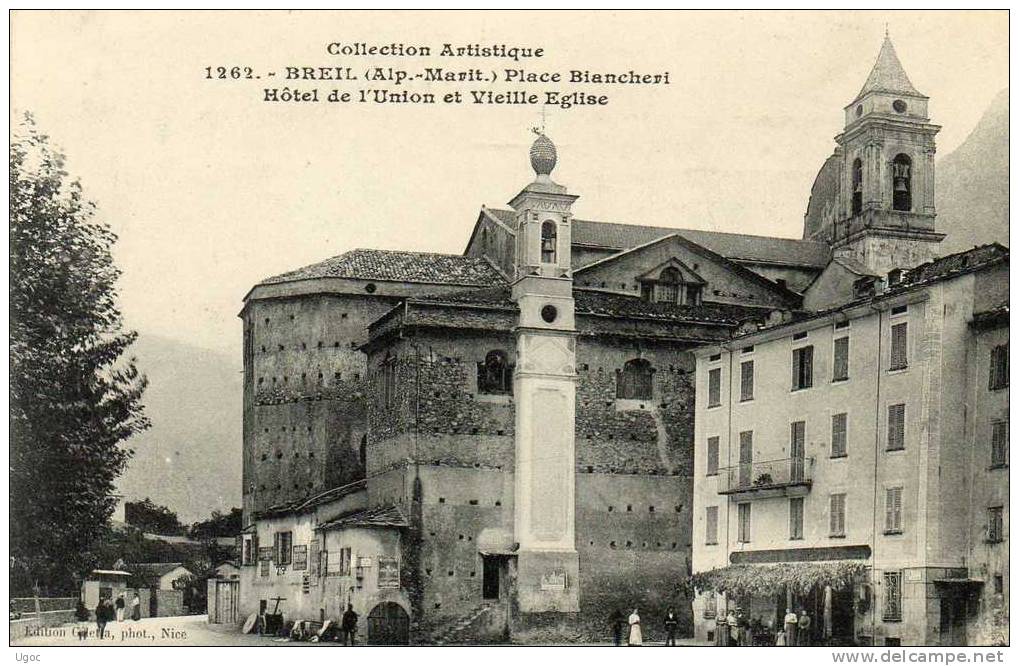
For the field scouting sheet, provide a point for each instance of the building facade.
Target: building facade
(854, 452)
(527, 406)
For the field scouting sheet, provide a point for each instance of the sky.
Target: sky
(211, 190)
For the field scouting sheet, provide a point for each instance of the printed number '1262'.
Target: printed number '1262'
(229, 73)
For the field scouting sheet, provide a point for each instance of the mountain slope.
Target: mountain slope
(190, 460)
(971, 193)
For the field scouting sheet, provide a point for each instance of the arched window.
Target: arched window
(857, 186)
(495, 375)
(548, 241)
(668, 286)
(902, 198)
(633, 382)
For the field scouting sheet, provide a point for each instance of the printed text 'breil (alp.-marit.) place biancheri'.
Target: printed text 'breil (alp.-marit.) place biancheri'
(452, 74)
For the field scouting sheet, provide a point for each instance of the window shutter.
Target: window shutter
(796, 369)
(712, 455)
(808, 366)
(889, 508)
(841, 361)
(832, 517)
(898, 347)
(747, 380)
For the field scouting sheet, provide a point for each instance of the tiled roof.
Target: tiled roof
(955, 264)
(613, 305)
(384, 516)
(399, 266)
(311, 501)
(743, 247)
(617, 305)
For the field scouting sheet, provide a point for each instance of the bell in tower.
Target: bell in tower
(886, 207)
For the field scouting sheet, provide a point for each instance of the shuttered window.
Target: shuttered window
(840, 360)
(712, 456)
(715, 387)
(746, 380)
(711, 525)
(896, 427)
(283, 547)
(999, 443)
(899, 360)
(995, 524)
(999, 368)
(796, 518)
(837, 515)
(803, 368)
(893, 509)
(743, 534)
(839, 424)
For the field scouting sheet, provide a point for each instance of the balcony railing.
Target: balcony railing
(767, 475)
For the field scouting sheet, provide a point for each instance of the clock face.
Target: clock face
(549, 313)
(899, 106)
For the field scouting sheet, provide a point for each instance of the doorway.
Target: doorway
(388, 624)
(953, 620)
(489, 577)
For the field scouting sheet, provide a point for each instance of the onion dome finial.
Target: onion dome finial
(543, 154)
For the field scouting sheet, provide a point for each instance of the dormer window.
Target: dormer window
(667, 289)
(902, 198)
(548, 242)
(671, 286)
(894, 276)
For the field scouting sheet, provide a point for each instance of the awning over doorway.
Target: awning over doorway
(767, 579)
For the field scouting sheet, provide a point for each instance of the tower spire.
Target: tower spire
(888, 75)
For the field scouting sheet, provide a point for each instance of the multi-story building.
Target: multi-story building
(851, 457)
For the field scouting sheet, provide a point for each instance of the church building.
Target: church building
(501, 442)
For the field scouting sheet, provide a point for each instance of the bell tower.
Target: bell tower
(886, 203)
(545, 393)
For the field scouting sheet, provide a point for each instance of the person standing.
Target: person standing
(101, 619)
(136, 608)
(733, 625)
(349, 625)
(120, 607)
(618, 622)
(803, 628)
(671, 623)
(790, 626)
(636, 638)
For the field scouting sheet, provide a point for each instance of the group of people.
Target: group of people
(107, 611)
(739, 630)
(635, 636)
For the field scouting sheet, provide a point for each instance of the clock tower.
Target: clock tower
(886, 213)
(545, 393)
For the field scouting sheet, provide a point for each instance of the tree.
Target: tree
(219, 525)
(75, 400)
(148, 516)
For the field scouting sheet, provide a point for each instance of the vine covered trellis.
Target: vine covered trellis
(767, 579)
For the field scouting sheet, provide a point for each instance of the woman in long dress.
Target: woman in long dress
(636, 638)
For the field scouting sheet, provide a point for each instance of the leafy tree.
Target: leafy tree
(219, 525)
(148, 516)
(75, 400)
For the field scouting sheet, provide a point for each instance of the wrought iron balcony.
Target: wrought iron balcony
(786, 476)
